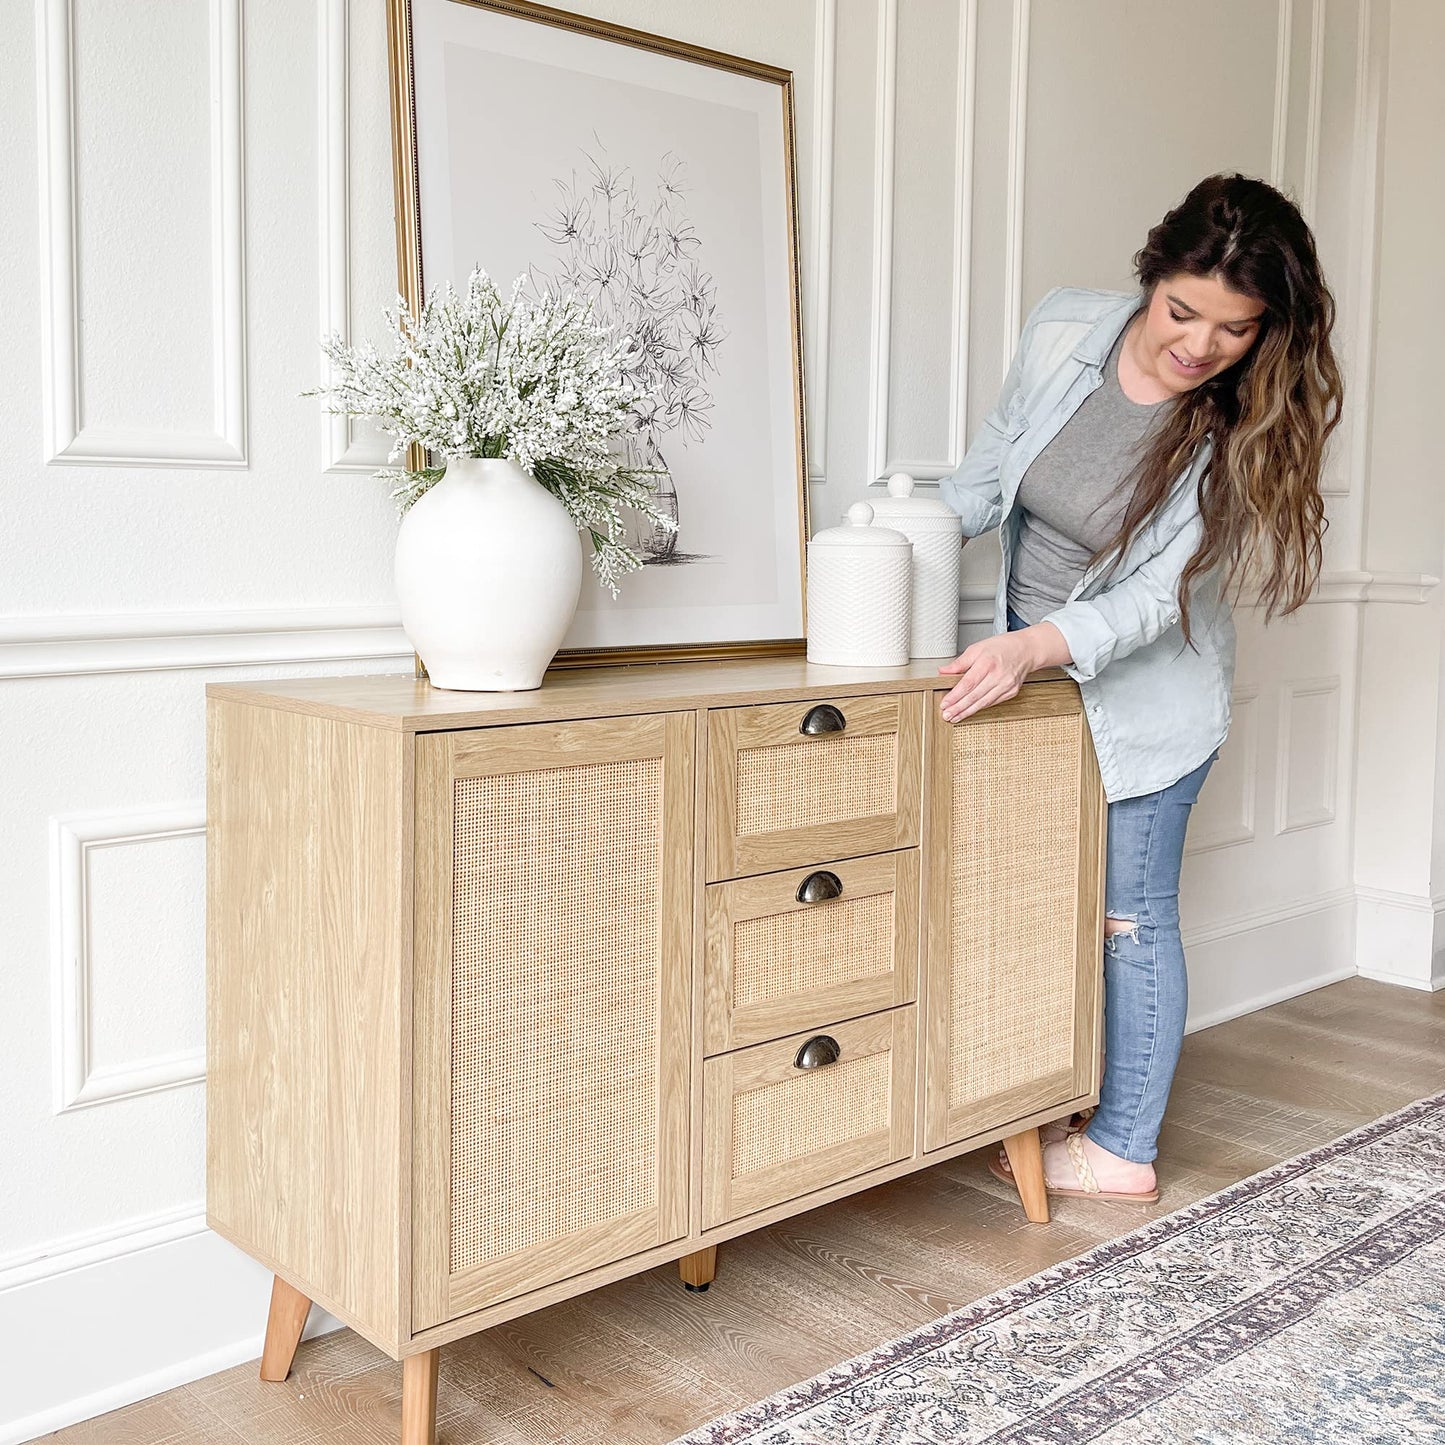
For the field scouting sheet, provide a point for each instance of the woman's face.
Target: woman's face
(1195, 327)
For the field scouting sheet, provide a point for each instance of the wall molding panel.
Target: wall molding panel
(344, 447)
(63, 645)
(1284, 37)
(66, 437)
(959, 328)
(1368, 131)
(1235, 826)
(78, 1082)
(825, 61)
(1013, 279)
(1314, 115)
(1290, 815)
(885, 132)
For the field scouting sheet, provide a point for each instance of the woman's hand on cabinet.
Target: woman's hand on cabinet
(993, 669)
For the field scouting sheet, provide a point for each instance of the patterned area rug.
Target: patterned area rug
(1306, 1304)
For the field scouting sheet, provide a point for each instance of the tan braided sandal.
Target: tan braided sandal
(1083, 1173)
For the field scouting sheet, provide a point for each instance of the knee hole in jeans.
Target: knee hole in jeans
(1113, 926)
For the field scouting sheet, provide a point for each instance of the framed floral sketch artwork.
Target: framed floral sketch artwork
(657, 180)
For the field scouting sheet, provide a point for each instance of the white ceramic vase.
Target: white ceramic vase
(488, 573)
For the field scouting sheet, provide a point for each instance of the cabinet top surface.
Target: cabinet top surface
(408, 704)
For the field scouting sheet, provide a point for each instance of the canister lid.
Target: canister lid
(901, 505)
(859, 531)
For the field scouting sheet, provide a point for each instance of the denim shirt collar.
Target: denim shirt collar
(1093, 350)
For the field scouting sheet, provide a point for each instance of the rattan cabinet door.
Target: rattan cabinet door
(786, 950)
(553, 926)
(774, 1130)
(1013, 937)
(789, 783)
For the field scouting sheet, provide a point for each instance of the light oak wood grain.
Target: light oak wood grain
(862, 984)
(419, 1398)
(729, 1190)
(441, 1290)
(284, 1323)
(396, 701)
(700, 1269)
(1025, 1158)
(307, 852)
(1011, 974)
(462, 1265)
(825, 827)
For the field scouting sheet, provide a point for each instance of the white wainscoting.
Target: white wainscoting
(134, 1305)
(79, 1081)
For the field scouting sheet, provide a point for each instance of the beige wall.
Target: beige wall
(196, 189)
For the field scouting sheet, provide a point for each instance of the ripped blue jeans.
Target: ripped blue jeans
(1146, 988)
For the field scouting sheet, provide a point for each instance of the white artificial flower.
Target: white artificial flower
(536, 379)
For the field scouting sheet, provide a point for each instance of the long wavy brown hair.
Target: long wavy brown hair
(1268, 416)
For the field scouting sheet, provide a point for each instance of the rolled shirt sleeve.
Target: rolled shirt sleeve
(1129, 613)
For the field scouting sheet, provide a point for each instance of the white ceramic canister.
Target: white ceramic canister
(935, 530)
(860, 579)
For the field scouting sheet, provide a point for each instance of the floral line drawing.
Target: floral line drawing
(638, 262)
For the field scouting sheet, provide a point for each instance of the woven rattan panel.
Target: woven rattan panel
(1014, 864)
(805, 949)
(812, 1111)
(554, 991)
(795, 785)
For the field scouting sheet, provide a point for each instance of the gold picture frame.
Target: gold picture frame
(407, 168)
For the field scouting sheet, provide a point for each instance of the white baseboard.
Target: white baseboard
(108, 1321)
(1400, 938)
(1433, 984)
(1249, 963)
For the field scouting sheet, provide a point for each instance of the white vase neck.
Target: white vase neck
(481, 469)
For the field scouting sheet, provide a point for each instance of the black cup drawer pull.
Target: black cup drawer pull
(824, 718)
(820, 887)
(818, 1052)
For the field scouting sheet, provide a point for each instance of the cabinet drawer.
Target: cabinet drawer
(793, 782)
(777, 962)
(774, 1130)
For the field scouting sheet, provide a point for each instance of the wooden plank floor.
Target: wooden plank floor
(641, 1361)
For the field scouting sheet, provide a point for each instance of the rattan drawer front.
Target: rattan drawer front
(776, 963)
(780, 797)
(1015, 912)
(773, 1131)
(553, 928)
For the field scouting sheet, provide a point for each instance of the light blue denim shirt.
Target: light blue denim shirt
(1156, 707)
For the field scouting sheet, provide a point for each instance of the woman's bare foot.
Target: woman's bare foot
(1113, 1174)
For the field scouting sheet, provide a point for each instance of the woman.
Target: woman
(1148, 455)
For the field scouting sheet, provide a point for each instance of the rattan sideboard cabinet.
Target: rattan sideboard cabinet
(510, 996)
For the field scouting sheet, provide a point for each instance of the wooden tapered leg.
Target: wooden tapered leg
(284, 1323)
(700, 1269)
(419, 1398)
(1026, 1160)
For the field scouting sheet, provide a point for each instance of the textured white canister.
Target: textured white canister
(860, 578)
(935, 530)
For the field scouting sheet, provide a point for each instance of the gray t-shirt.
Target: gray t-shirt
(1071, 499)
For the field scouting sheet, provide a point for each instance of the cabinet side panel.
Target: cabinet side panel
(306, 863)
